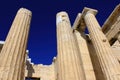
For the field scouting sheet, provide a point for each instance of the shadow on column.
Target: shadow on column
(96, 65)
(30, 69)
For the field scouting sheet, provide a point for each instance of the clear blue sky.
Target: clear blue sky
(42, 38)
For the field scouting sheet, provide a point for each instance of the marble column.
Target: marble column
(13, 53)
(85, 55)
(118, 37)
(108, 63)
(69, 64)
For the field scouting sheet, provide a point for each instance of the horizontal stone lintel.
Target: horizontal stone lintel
(111, 26)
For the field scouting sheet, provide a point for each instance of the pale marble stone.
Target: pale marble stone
(80, 56)
(84, 55)
(109, 64)
(12, 56)
(69, 61)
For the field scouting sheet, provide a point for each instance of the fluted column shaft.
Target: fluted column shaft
(85, 55)
(108, 63)
(69, 64)
(13, 53)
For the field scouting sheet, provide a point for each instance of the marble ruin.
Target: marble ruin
(80, 56)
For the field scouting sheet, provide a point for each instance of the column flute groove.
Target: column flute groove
(14, 48)
(109, 65)
(22, 45)
(24, 54)
(68, 58)
(7, 66)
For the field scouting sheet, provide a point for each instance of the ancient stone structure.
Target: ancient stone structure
(80, 56)
(12, 56)
(69, 61)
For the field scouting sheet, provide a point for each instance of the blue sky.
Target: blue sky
(42, 38)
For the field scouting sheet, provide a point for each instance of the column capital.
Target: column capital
(79, 21)
(89, 10)
(62, 13)
(24, 11)
(62, 16)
